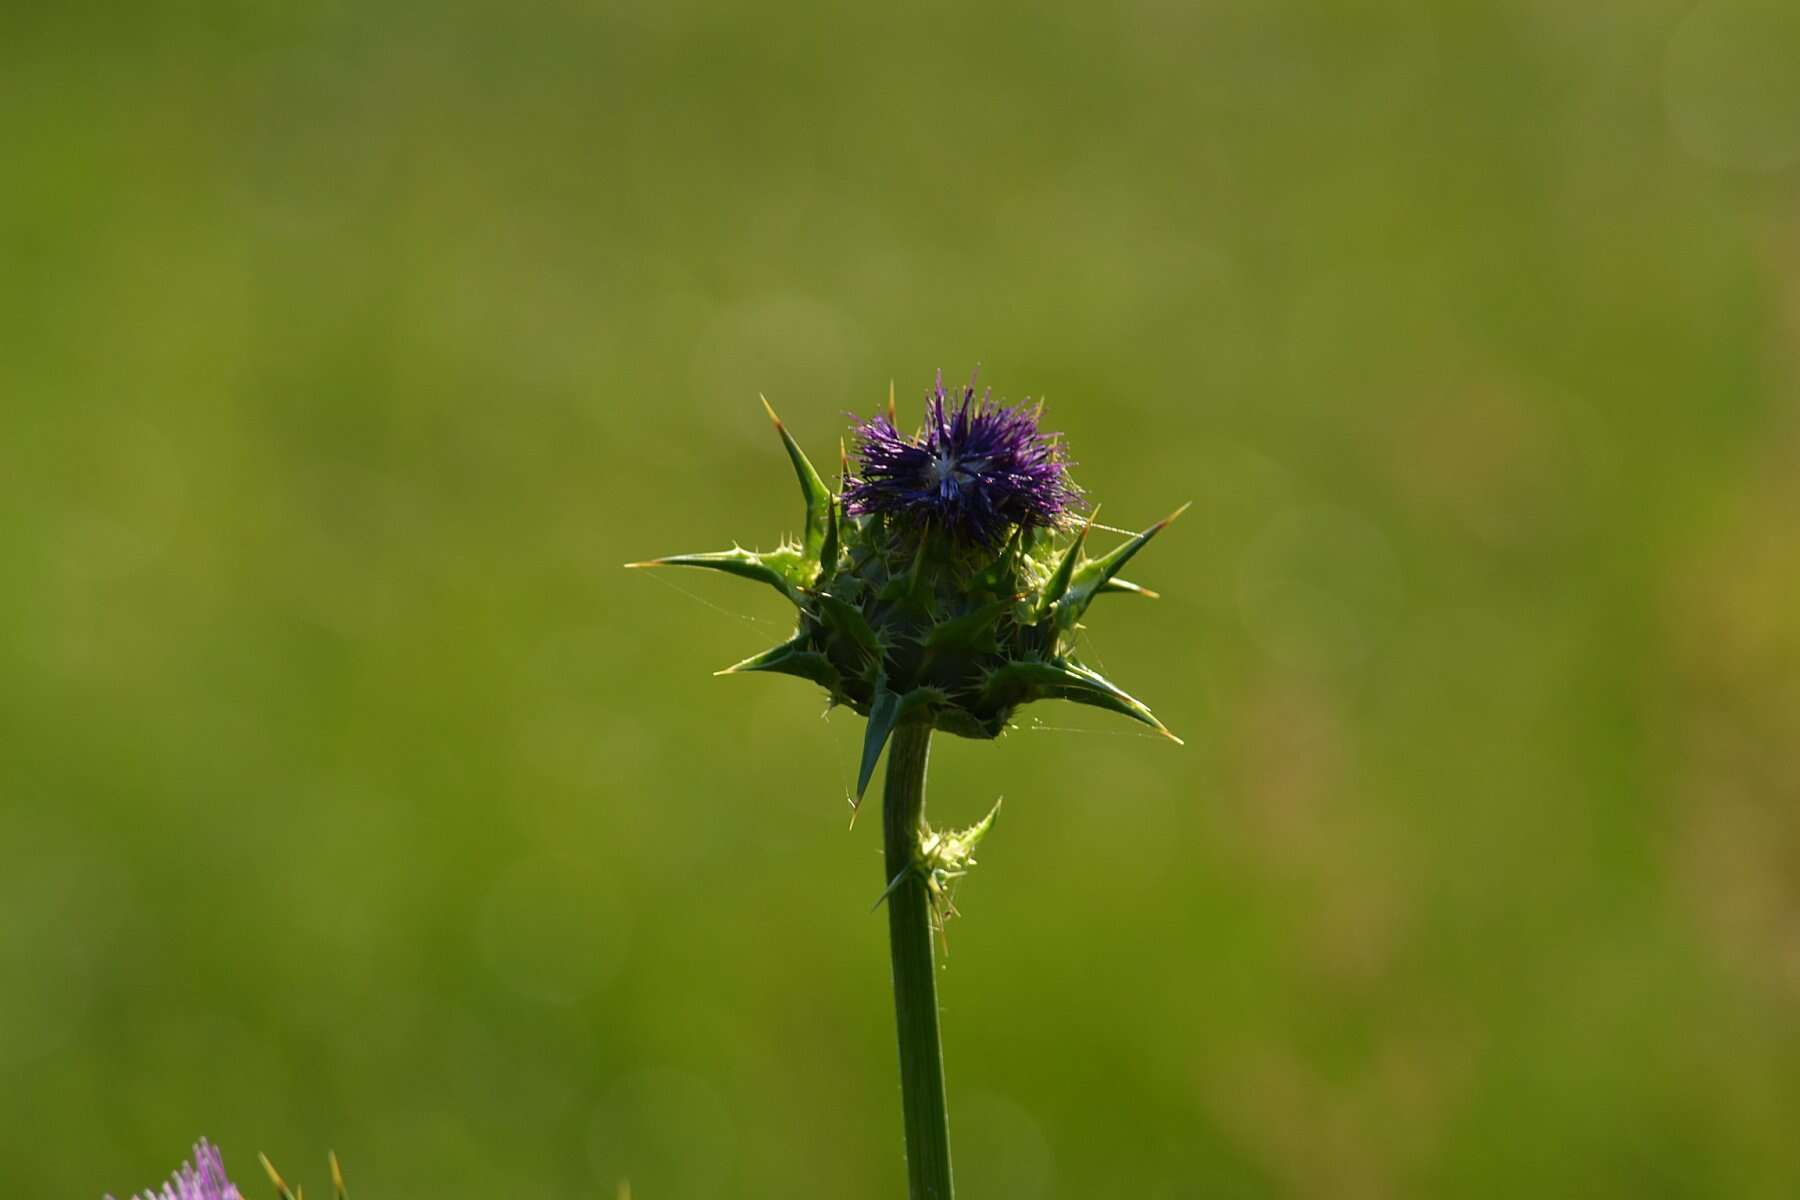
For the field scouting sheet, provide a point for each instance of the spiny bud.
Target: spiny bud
(942, 859)
(945, 857)
(945, 580)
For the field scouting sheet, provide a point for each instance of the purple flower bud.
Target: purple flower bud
(977, 470)
(203, 1179)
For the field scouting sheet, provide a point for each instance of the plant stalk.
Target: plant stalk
(915, 970)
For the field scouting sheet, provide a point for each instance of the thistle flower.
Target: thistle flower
(940, 588)
(978, 470)
(203, 1179)
(931, 590)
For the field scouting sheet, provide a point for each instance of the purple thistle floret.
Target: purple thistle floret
(976, 470)
(203, 1179)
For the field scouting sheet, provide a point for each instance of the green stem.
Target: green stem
(915, 971)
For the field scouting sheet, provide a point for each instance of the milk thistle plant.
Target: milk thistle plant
(940, 587)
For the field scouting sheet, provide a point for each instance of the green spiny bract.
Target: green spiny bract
(903, 619)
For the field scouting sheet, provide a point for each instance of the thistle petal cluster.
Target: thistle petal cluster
(202, 1179)
(945, 580)
(976, 471)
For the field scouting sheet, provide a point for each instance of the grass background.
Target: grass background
(353, 797)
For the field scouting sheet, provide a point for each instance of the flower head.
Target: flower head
(203, 1179)
(977, 469)
(916, 602)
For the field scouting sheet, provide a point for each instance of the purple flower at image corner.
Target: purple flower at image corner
(202, 1179)
(976, 470)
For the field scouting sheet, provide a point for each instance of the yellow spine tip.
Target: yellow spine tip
(274, 1175)
(770, 409)
(1170, 519)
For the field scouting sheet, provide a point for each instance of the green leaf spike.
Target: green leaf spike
(1096, 573)
(1065, 570)
(791, 658)
(1090, 687)
(884, 714)
(746, 564)
(1115, 584)
(812, 488)
(1062, 679)
(888, 711)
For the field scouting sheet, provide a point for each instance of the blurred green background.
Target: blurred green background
(353, 797)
